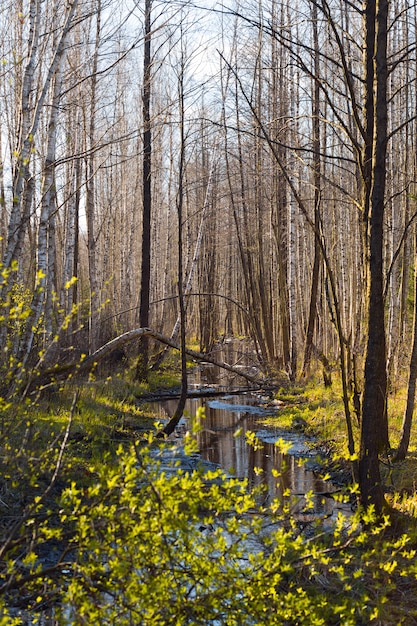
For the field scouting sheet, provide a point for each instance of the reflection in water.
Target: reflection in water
(220, 443)
(222, 440)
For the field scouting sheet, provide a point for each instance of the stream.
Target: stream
(222, 442)
(231, 411)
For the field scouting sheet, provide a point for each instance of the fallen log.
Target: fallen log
(58, 372)
(209, 392)
(119, 341)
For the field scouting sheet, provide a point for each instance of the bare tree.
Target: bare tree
(142, 364)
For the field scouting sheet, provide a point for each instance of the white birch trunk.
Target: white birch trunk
(29, 123)
(17, 222)
(46, 274)
(69, 244)
(3, 214)
(91, 200)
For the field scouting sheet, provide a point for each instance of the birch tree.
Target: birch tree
(31, 108)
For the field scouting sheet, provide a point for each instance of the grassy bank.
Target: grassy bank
(51, 432)
(319, 411)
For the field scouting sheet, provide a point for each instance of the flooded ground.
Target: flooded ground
(222, 441)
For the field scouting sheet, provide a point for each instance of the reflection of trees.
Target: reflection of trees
(218, 444)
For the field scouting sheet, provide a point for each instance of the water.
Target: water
(222, 441)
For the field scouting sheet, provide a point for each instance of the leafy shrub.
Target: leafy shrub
(144, 545)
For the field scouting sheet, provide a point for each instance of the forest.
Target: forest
(179, 173)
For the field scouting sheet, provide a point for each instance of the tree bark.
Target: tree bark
(402, 449)
(90, 202)
(19, 216)
(312, 313)
(143, 357)
(45, 261)
(374, 431)
(169, 428)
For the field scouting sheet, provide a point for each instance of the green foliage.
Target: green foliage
(94, 535)
(143, 545)
(29, 338)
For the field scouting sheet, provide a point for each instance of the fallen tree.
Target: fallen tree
(42, 378)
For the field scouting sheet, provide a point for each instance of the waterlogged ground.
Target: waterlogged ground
(231, 436)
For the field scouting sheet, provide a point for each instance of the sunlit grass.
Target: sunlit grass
(406, 501)
(108, 412)
(321, 408)
(322, 413)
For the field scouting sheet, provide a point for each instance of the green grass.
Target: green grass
(322, 408)
(107, 414)
(322, 413)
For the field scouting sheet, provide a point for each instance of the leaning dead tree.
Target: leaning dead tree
(42, 378)
(125, 338)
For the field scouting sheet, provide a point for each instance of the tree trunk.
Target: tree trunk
(43, 378)
(169, 428)
(312, 313)
(45, 261)
(374, 432)
(18, 220)
(143, 357)
(412, 378)
(90, 201)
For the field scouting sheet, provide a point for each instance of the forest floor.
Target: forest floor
(112, 411)
(319, 411)
(115, 411)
